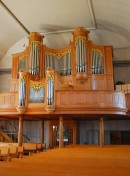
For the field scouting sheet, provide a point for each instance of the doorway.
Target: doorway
(68, 133)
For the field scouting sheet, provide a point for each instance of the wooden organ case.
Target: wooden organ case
(75, 79)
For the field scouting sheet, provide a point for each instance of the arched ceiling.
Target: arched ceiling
(107, 20)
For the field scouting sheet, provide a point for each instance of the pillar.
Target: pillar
(61, 142)
(101, 132)
(20, 132)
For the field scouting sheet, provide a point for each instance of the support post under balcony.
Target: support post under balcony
(20, 132)
(101, 131)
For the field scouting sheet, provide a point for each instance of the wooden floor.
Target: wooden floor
(72, 161)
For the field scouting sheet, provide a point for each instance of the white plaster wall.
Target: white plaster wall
(32, 130)
(6, 61)
(120, 54)
(121, 125)
(89, 130)
(5, 80)
(122, 74)
(46, 133)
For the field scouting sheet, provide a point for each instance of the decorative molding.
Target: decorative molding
(37, 86)
(58, 55)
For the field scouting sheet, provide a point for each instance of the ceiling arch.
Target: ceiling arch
(108, 21)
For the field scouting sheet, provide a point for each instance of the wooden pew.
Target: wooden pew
(33, 148)
(4, 154)
(29, 148)
(20, 152)
(40, 147)
(13, 151)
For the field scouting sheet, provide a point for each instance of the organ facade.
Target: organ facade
(72, 83)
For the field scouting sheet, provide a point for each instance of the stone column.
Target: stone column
(101, 132)
(61, 142)
(20, 132)
(42, 131)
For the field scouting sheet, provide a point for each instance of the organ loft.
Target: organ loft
(63, 86)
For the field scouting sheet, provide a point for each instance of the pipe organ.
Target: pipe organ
(43, 71)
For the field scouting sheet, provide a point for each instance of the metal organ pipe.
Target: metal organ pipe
(34, 58)
(85, 65)
(62, 65)
(97, 62)
(50, 92)
(80, 56)
(69, 64)
(38, 56)
(22, 93)
(77, 57)
(34, 65)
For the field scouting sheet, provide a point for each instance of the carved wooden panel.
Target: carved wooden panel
(127, 95)
(14, 86)
(7, 99)
(98, 82)
(108, 61)
(88, 100)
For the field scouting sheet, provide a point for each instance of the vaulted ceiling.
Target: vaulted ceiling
(108, 21)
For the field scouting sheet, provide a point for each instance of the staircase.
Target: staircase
(9, 132)
(4, 137)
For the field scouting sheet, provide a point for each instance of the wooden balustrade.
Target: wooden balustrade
(127, 96)
(94, 102)
(68, 101)
(8, 102)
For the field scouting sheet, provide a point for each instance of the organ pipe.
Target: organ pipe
(22, 89)
(80, 55)
(50, 91)
(97, 62)
(61, 64)
(34, 58)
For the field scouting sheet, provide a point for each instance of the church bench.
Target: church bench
(4, 153)
(40, 147)
(29, 148)
(20, 152)
(13, 151)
